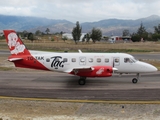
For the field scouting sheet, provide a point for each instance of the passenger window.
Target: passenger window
(73, 59)
(82, 60)
(65, 60)
(106, 60)
(90, 60)
(98, 60)
(47, 60)
(116, 60)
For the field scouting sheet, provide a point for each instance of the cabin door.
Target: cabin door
(116, 61)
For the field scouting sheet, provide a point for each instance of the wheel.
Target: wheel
(134, 80)
(82, 81)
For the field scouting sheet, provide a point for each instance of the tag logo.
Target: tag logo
(57, 62)
(100, 71)
(14, 45)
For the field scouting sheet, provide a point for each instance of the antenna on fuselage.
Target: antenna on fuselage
(79, 51)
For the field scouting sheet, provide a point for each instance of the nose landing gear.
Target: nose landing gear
(135, 80)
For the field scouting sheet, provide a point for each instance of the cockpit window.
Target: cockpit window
(134, 60)
(126, 60)
(130, 60)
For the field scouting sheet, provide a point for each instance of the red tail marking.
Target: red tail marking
(19, 52)
(15, 44)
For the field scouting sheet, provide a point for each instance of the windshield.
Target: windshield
(130, 60)
(133, 59)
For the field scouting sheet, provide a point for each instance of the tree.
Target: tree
(76, 32)
(64, 38)
(156, 35)
(157, 29)
(141, 30)
(61, 33)
(31, 36)
(96, 35)
(135, 37)
(47, 30)
(2, 37)
(126, 32)
(24, 34)
(38, 32)
(141, 34)
(86, 38)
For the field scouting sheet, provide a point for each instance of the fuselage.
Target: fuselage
(65, 62)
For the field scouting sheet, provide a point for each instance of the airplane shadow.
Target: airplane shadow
(72, 82)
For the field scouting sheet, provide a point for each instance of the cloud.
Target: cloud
(81, 10)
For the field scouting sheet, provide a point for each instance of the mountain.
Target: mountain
(108, 26)
(116, 26)
(20, 23)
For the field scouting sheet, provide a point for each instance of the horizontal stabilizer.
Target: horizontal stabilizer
(14, 59)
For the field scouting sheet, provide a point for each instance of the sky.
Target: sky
(81, 10)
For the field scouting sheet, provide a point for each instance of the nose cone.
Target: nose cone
(148, 67)
(152, 68)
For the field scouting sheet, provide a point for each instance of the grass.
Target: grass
(46, 45)
(6, 68)
(98, 47)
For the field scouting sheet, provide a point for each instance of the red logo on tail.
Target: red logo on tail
(15, 46)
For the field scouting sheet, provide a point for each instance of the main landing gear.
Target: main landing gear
(135, 80)
(82, 81)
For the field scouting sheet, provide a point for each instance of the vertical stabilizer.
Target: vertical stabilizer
(15, 44)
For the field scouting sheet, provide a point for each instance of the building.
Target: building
(1, 33)
(113, 39)
(69, 36)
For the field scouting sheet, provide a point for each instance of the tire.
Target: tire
(134, 80)
(81, 81)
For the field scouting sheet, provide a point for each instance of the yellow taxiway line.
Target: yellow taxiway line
(83, 101)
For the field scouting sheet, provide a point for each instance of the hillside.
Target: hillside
(20, 23)
(108, 26)
(116, 26)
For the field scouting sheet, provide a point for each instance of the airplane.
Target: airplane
(80, 64)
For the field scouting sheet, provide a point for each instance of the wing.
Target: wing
(83, 68)
(93, 71)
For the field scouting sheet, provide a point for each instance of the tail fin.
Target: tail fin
(15, 44)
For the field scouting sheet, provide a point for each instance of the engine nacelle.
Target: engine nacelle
(97, 71)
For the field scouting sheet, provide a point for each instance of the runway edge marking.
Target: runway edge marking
(83, 101)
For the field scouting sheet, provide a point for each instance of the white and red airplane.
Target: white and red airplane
(80, 64)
